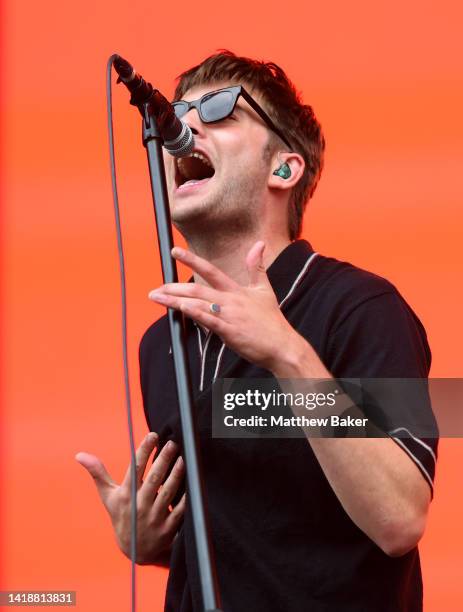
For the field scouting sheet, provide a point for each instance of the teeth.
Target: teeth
(202, 158)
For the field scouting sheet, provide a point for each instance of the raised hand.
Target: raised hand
(248, 318)
(157, 521)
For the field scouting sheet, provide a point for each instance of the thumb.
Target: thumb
(103, 481)
(255, 265)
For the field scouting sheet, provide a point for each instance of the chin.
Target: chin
(191, 213)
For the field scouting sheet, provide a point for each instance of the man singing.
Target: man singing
(307, 524)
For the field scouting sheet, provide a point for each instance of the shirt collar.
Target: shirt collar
(286, 268)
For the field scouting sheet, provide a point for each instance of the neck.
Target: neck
(229, 252)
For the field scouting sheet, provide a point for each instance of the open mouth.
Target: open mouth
(193, 169)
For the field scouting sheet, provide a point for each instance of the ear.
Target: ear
(296, 165)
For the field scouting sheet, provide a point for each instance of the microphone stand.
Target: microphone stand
(152, 141)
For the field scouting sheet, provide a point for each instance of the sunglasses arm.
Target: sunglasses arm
(263, 115)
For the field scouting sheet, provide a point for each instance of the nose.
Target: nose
(192, 119)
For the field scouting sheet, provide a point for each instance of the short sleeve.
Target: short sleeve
(380, 338)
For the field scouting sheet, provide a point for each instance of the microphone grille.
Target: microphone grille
(183, 144)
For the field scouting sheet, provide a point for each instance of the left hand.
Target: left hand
(250, 321)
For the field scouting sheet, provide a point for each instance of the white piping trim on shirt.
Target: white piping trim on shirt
(417, 461)
(287, 296)
(203, 360)
(199, 342)
(299, 276)
(219, 359)
(417, 440)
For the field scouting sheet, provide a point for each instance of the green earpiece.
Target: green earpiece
(284, 171)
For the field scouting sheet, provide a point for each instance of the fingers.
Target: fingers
(103, 481)
(255, 264)
(212, 275)
(179, 303)
(195, 309)
(204, 317)
(175, 517)
(157, 473)
(189, 290)
(169, 489)
(141, 458)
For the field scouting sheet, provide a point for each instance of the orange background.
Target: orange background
(384, 79)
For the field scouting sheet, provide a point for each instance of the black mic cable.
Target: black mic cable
(133, 460)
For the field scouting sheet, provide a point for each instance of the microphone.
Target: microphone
(176, 134)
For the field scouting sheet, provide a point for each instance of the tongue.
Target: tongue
(194, 181)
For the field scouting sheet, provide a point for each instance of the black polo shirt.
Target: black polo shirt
(282, 541)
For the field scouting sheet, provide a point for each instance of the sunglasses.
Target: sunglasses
(220, 104)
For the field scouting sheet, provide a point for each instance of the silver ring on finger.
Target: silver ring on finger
(214, 308)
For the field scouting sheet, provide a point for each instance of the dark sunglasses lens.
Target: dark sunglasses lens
(180, 108)
(217, 106)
